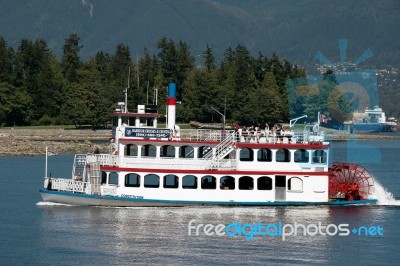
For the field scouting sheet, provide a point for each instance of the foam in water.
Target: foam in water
(383, 196)
(45, 203)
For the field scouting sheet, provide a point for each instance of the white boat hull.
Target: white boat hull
(113, 201)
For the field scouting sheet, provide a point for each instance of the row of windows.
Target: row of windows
(206, 182)
(246, 154)
(284, 155)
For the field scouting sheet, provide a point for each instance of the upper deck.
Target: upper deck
(203, 149)
(138, 143)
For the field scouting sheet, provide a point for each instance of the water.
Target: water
(37, 233)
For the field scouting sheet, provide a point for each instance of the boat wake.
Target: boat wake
(383, 196)
(45, 203)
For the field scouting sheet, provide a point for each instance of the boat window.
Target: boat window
(283, 155)
(264, 155)
(103, 177)
(319, 156)
(203, 151)
(186, 152)
(132, 180)
(246, 183)
(151, 180)
(115, 121)
(131, 150)
(301, 156)
(295, 184)
(189, 181)
(208, 182)
(149, 150)
(113, 178)
(280, 181)
(171, 181)
(167, 151)
(246, 154)
(264, 183)
(227, 182)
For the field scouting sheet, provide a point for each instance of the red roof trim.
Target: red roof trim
(135, 114)
(225, 172)
(238, 144)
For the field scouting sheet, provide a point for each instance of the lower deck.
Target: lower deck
(209, 186)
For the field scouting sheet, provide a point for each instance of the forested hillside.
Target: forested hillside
(37, 88)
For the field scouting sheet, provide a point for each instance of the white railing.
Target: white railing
(220, 151)
(172, 163)
(223, 148)
(103, 159)
(204, 134)
(69, 185)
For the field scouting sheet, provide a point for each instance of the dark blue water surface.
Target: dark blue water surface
(37, 233)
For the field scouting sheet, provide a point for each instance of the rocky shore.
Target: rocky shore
(15, 142)
(34, 141)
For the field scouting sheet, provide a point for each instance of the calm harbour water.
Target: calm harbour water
(37, 233)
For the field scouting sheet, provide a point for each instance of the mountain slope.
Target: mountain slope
(296, 30)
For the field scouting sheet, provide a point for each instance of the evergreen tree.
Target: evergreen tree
(71, 62)
(6, 61)
(209, 59)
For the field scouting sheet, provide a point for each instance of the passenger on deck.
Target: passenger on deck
(78, 177)
(236, 127)
(245, 133)
(278, 131)
(257, 133)
(251, 133)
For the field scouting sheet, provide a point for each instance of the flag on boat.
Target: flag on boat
(323, 118)
(51, 152)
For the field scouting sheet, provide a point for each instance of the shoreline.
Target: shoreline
(21, 142)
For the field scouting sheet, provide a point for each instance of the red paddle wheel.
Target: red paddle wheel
(349, 181)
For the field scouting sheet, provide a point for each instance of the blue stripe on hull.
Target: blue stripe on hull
(96, 200)
(370, 128)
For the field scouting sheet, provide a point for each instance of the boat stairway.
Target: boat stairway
(221, 151)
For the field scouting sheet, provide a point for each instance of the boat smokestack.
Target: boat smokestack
(171, 104)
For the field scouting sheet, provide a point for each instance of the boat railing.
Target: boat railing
(174, 163)
(75, 186)
(103, 159)
(225, 144)
(204, 134)
(157, 163)
(72, 185)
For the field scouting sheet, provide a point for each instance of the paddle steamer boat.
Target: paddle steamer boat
(151, 166)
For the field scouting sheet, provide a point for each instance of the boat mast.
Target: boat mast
(126, 90)
(45, 171)
(223, 117)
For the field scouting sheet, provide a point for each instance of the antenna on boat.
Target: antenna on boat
(126, 90)
(294, 120)
(137, 68)
(45, 170)
(147, 92)
(223, 117)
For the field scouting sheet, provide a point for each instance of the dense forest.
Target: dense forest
(37, 88)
